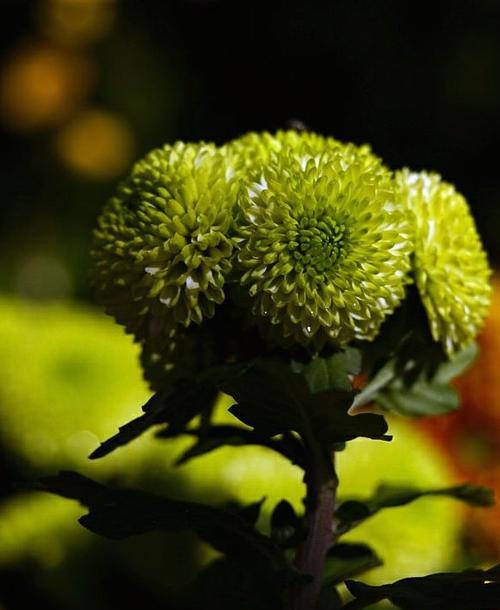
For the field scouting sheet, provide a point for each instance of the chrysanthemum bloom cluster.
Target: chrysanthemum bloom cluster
(450, 266)
(308, 238)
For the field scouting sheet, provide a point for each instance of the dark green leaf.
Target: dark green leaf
(283, 516)
(352, 512)
(119, 513)
(212, 438)
(468, 590)
(250, 513)
(272, 399)
(216, 436)
(287, 530)
(333, 424)
(348, 560)
(175, 407)
(332, 373)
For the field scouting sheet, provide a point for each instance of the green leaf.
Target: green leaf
(409, 372)
(332, 373)
(420, 399)
(175, 407)
(451, 369)
(352, 512)
(402, 385)
(348, 560)
(272, 399)
(468, 590)
(376, 384)
(120, 513)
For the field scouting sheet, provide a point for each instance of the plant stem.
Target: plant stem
(311, 554)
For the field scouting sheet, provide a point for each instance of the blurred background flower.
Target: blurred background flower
(470, 437)
(87, 87)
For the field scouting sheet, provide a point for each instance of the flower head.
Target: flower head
(162, 249)
(450, 265)
(324, 245)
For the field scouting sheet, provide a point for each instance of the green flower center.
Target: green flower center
(316, 244)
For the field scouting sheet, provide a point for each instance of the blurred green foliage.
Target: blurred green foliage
(69, 377)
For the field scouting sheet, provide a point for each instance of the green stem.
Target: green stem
(311, 554)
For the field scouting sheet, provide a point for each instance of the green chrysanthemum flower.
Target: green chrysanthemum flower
(162, 249)
(450, 265)
(324, 245)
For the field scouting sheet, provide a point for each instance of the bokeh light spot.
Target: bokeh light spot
(97, 144)
(76, 22)
(42, 276)
(41, 86)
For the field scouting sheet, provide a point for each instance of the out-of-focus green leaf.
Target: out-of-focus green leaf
(353, 512)
(382, 378)
(451, 369)
(408, 390)
(468, 590)
(421, 398)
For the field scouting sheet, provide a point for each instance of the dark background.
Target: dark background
(418, 81)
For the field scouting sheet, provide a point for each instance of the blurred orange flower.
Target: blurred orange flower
(470, 436)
